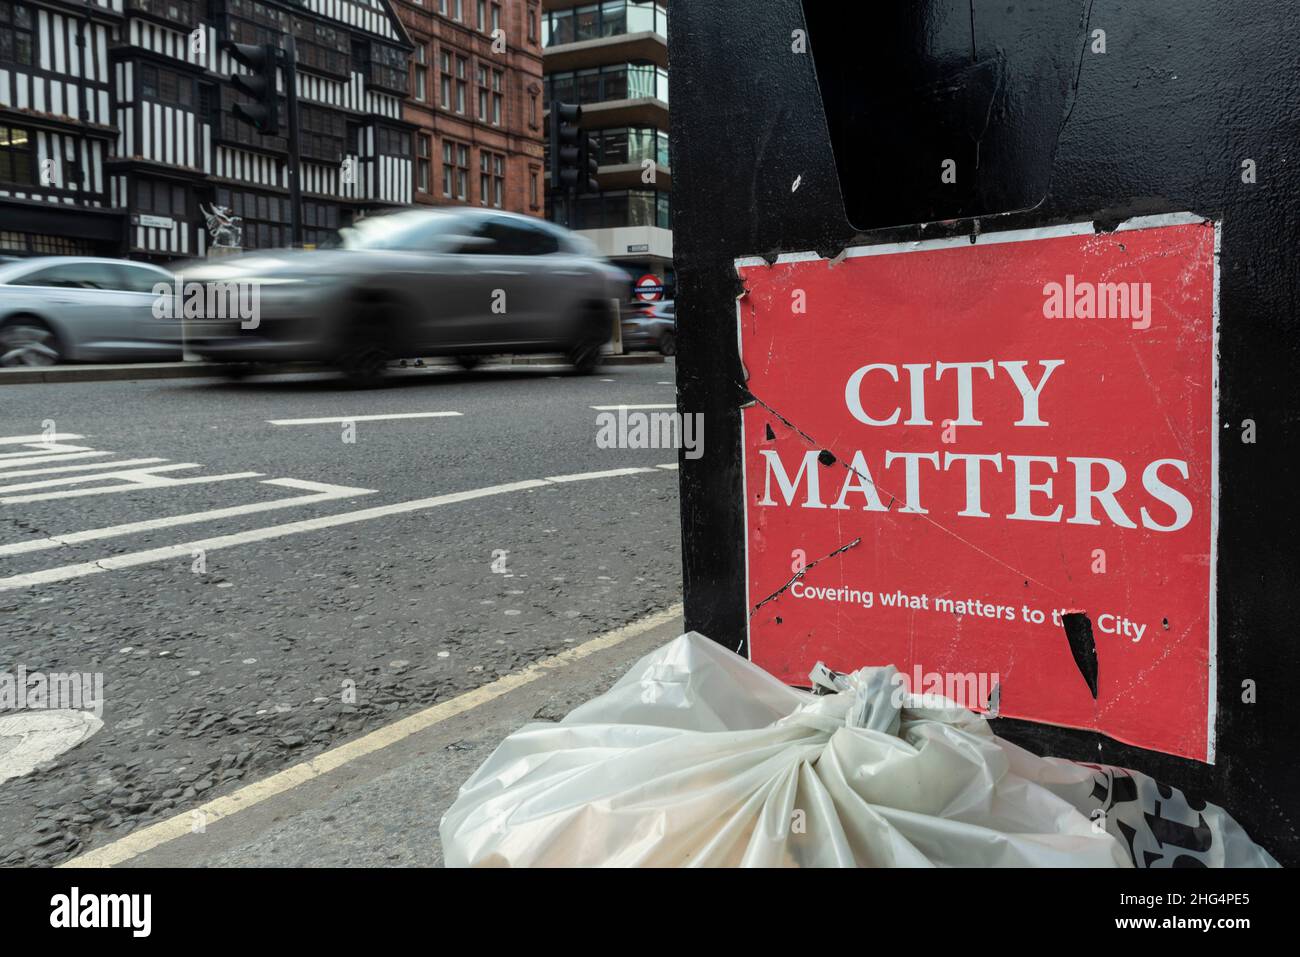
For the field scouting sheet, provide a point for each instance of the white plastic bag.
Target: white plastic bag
(698, 757)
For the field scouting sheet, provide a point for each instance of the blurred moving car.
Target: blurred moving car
(60, 308)
(651, 326)
(451, 282)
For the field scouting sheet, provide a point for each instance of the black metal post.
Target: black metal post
(289, 61)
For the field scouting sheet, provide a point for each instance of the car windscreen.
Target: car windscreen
(409, 231)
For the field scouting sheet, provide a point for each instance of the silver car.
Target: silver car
(651, 325)
(59, 308)
(458, 282)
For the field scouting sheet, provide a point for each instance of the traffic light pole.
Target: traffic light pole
(289, 61)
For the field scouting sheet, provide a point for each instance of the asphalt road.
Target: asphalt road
(235, 643)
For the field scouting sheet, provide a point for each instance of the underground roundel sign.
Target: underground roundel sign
(649, 288)
(993, 465)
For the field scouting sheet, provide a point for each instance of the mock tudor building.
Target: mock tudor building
(116, 136)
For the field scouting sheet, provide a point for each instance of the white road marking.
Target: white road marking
(37, 439)
(62, 457)
(134, 559)
(616, 408)
(23, 473)
(155, 835)
(160, 482)
(321, 493)
(339, 419)
(126, 475)
(37, 448)
(671, 467)
(610, 473)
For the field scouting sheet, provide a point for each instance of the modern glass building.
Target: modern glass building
(612, 59)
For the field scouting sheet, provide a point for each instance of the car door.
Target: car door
(501, 299)
(155, 337)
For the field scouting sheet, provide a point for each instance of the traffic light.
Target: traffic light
(588, 164)
(566, 151)
(263, 114)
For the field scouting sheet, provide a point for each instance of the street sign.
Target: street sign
(162, 222)
(649, 288)
(995, 458)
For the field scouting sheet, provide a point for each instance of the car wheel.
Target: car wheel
(366, 353)
(469, 362)
(28, 341)
(668, 344)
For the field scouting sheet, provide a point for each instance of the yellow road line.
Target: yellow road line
(148, 838)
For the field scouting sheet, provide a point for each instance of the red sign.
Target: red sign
(956, 447)
(649, 288)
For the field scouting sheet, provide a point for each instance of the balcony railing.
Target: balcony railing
(599, 20)
(624, 81)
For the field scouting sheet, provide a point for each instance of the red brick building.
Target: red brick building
(477, 98)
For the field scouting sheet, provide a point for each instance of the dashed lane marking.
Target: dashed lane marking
(340, 419)
(617, 408)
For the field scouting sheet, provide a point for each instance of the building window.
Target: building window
(160, 85)
(160, 198)
(480, 19)
(635, 144)
(532, 110)
(496, 17)
(320, 223)
(16, 26)
(604, 20)
(484, 93)
(491, 179)
(421, 80)
(498, 83)
(455, 170)
(444, 85)
(422, 162)
(16, 156)
(534, 187)
(179, 11)
(460, 10)
(388, 67)
(532, 24)
(322, 133)
(442, 7)
(266, 217)
(393, 142)
(623, 81)
(614, 208)
(319, 47)
(462, 85)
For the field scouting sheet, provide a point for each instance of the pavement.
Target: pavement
(378, 801)
(258, 572)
